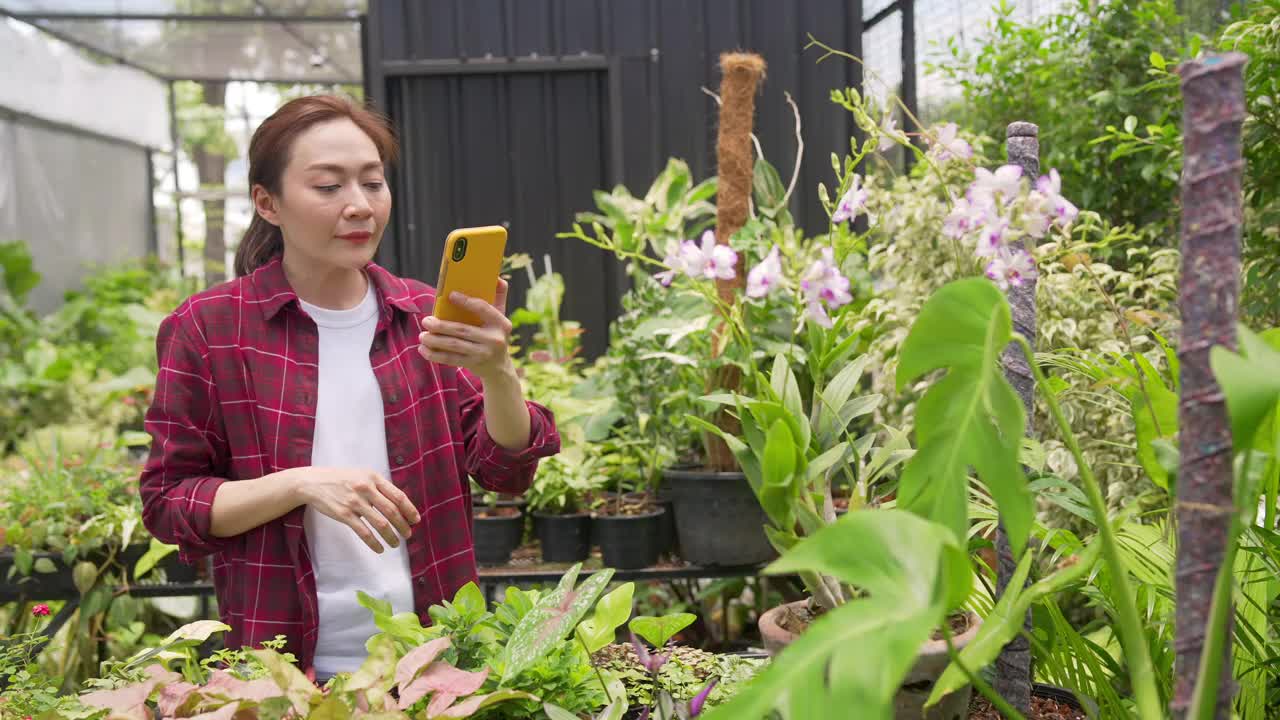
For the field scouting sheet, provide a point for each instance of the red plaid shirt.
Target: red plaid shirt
(236, 398)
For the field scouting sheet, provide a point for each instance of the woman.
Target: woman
(313, 426)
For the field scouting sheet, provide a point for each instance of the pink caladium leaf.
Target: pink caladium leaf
(173, 699)
(440, 703)
(417, 659)
(443, 678)
(467, 707)
(226, 712)
(125, 699)
(225, 685)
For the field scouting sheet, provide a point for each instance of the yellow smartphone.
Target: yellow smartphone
(470, 265)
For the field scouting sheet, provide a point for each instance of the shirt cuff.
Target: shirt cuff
(543, 441)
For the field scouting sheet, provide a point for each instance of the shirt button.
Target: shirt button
(422, 580)
(377, 345)
(399, 460)
(394, 397)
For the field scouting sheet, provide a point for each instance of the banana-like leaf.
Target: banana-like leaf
(1250, 380)
(913, 571)
(971, 417)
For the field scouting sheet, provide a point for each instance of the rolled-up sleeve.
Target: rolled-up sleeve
(179, 480)
(493, 466)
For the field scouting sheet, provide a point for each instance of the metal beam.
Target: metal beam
(885, 12)
(178, 17)
(452, 66)
(77, 42)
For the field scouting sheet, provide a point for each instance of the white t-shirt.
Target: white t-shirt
(350, 432)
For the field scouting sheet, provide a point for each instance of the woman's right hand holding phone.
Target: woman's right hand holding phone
(350, 494)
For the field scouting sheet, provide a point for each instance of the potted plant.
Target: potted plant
(497, 526)
(716, 514)
(561, 519)
(627, 526)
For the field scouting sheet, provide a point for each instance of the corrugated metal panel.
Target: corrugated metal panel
(614, 89)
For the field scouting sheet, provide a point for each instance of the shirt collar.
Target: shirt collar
(272, 291)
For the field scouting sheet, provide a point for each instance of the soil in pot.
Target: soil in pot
(496, 531)
(1043, 707)
(564, 538)
(628, 540)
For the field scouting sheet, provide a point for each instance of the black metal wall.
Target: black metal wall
(515, 110)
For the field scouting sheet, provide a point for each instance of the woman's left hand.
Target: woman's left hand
(483, 350)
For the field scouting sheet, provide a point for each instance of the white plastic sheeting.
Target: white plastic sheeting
(51, 80)
(74, 139)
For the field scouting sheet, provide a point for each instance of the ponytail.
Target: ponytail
(261, 242)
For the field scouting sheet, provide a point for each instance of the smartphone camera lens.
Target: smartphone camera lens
(460, 249)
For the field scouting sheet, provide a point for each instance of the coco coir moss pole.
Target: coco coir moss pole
(741, 76)
(1212, 214)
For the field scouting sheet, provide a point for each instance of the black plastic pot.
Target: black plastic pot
(718, 519)
(1065, 696)
(496, 537)
(564, 538)
(628, 542)
(667, 544)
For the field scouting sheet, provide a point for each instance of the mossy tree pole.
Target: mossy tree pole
(1212, 216)
(1013, 666)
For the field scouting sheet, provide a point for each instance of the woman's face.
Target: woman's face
(334, 202)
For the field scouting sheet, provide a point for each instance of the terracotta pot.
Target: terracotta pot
(909, 702)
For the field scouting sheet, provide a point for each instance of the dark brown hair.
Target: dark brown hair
(269, 153)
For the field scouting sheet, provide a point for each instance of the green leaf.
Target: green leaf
(1251, 382)
(658, 630)
(156, 552)
(783, 381)
(824, 462)
(289, 678)
(469, 599)
(1157, 420)
(1006, 619)
(331, 709)
(553, 618)
(1157, 60)
(704, 190)
(195, 633)
(375, 605)
(1130, 124)
(766, 185)
(610, 614)
(828, 405)
(912, 569)
(23, 560)
(555, 712)
(777, 495)
(44, 566)
(376, 675)
(17, 271)
(746, 459)
(84, 575)
(971, 417)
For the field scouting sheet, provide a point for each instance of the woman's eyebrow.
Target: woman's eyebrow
(341, 169)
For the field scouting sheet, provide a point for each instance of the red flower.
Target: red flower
(40, 610)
